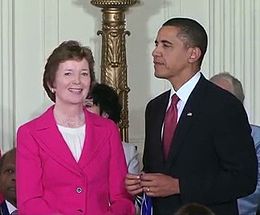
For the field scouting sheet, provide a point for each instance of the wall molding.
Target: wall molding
(233, 38)
(7, 117)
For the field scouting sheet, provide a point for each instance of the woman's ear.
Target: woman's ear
(52, 89)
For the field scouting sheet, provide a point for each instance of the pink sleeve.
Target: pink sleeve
(28, 176)
(121, 201)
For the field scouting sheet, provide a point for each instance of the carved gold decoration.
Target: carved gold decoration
(113, 62)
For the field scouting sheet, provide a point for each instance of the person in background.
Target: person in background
(105, 102)
(194, 209)
(198, 145)
(70, 161)
(8, 183)
(249, 204)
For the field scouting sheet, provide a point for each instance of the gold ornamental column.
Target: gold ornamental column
(113, 62)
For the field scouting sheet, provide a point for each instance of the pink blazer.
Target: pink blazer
(51, 182)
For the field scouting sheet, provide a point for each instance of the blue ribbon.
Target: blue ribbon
(146, 206)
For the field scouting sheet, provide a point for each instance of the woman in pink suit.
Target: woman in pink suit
(70, 161)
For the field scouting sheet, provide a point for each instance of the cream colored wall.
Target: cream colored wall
(30, 29)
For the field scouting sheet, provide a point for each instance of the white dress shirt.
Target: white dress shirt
(183, 93)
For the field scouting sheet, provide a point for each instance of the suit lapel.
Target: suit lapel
(158, 116)
(186, 120)
(4, 209)
(95, 134)
(52, 142)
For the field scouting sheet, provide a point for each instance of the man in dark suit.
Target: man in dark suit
(8, 183)
(211, 159)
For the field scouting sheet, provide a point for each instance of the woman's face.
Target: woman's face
(72, 82)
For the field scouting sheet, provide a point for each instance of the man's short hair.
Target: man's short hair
(2, 159)
(191, 33)
(236, 84)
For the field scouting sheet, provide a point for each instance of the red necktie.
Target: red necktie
(170, 123)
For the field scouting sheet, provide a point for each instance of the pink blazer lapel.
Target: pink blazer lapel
(94, 138)
(52, 142)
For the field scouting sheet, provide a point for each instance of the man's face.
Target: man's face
(8, 178)
(170, 54)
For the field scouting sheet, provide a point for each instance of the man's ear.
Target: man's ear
(194, 54)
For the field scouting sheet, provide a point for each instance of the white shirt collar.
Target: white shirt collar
(184, 92)
(10, 207)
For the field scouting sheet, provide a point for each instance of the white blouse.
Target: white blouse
(74, 137)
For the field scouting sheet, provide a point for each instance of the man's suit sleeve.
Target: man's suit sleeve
(236, 175)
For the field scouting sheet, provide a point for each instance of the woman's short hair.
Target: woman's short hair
(67, 50)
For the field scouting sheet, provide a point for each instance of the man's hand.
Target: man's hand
(133, 184)
(159, 185)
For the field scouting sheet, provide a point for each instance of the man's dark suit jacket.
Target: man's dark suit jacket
(4, 209)
(212, 153)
